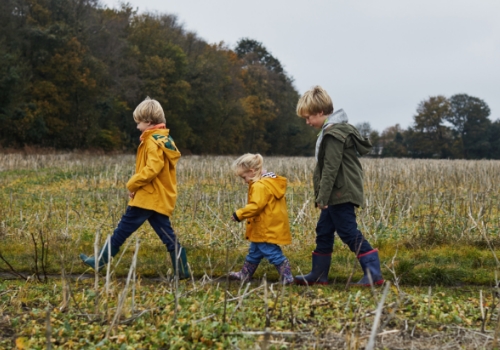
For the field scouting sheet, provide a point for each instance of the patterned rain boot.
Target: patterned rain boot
(320, 268)
(285, 272)
(370, 262)
(246, 272)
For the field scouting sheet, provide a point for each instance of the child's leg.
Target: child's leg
(274, 254)
(132, 219)
(325, 233)
(347, 229)
(252, 261)
(322, 255)
(163, 228)
(255, 254)
(344, 217)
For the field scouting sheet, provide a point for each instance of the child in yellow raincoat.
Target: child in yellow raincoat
(266, 218)
(152, 189)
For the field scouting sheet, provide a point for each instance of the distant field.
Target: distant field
(435, 222)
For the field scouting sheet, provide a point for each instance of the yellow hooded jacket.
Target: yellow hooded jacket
(154, 182)
(266, 213)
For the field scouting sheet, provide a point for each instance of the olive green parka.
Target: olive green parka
(338, 176)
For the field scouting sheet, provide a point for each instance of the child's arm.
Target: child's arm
(154, 165)
(259, 197)
(331, 164)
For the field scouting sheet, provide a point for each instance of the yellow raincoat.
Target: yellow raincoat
(154, 182)
(266, 213)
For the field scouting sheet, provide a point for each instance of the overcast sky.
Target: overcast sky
(376, 58)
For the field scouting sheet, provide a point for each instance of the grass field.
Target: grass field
(435, 222)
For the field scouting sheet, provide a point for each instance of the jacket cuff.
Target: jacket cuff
(130, 186)
(236, 217)
(321, 203)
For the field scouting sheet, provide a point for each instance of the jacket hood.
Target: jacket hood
(277, 185)
(163, 139)
(342, 130)
(338, 116)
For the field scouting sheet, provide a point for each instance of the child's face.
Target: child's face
(315, 120)
(247, 175)
(143, 126)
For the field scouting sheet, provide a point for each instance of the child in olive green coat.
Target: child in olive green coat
(338, 188)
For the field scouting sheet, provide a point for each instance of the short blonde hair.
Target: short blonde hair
(149, 111)
(314, 101)
(249, 161)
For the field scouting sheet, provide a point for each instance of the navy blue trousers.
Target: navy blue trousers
(134, 217)
(340, 218)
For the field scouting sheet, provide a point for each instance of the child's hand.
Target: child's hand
(131, 195)
(319, 206)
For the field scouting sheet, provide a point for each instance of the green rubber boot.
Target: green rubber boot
(91, 261)
(183, 266)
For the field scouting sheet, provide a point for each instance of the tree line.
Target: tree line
(446, 128)
(72, 72)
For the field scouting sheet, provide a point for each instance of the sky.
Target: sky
(377, 59)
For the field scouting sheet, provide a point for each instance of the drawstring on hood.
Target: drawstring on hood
(338, 117)
(269, 174)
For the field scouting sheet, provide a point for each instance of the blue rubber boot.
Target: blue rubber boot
(370, 263)
(183, 265)
(320, 268)
(90, 261)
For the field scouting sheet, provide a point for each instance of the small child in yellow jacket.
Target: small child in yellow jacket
(266, 216)
(152, 189)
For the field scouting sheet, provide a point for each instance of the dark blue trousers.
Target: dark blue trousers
(339, 218)
(134, 217)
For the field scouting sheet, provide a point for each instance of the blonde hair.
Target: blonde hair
(314, 101)
(249, 161)
(149, 111)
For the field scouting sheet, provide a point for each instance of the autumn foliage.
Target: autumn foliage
(71, 73)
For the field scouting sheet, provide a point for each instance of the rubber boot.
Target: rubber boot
(320, 268)
(183, 266)
(285, 272)
(370, 263)
(90, 261)
(246, 272)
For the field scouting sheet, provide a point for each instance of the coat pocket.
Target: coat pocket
(258, 231)
(149, 188)
(340, 179)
